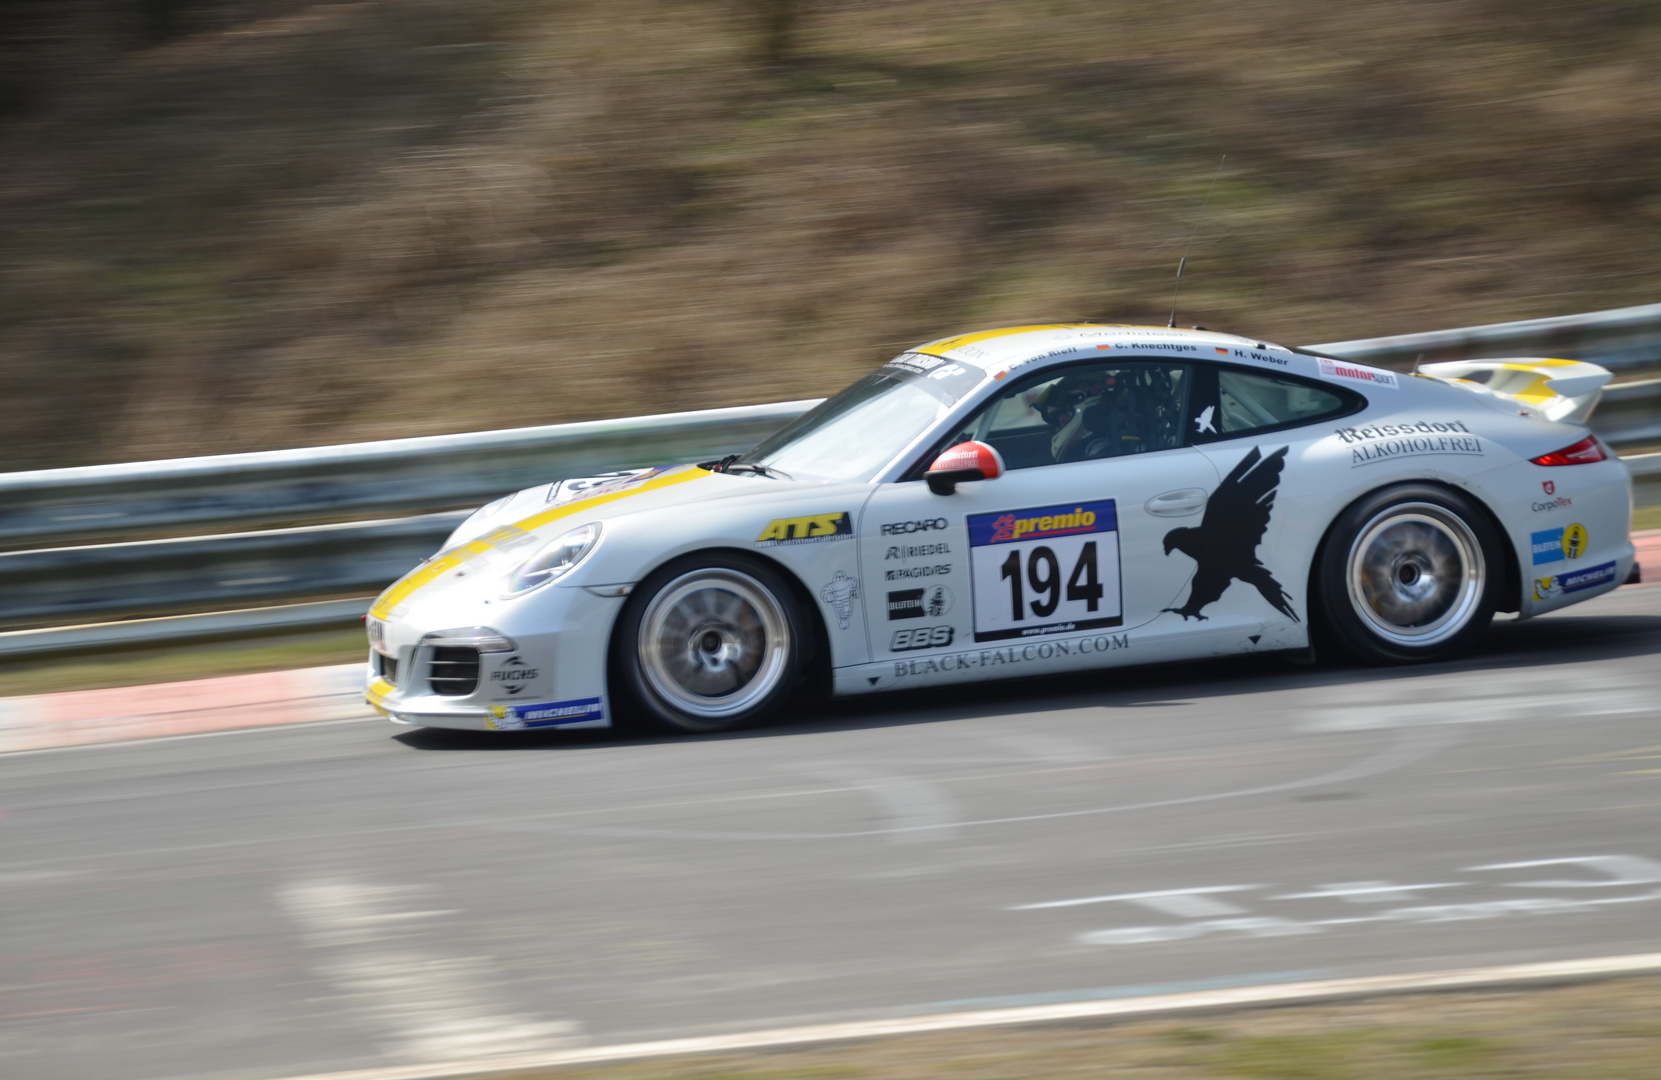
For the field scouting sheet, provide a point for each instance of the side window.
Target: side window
(1233, 402)
(1085, 413)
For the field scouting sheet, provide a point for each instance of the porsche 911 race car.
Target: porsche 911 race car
(1018, 502)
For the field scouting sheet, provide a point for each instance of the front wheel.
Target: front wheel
(709, 644)
(1410, 573)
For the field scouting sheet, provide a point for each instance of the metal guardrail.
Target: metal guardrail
(290, 487)
(1620, 339)
(159, 577)
(44, 585)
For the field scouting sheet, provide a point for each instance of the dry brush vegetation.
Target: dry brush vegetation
(246, 224)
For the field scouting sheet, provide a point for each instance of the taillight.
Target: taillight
(1584, 452)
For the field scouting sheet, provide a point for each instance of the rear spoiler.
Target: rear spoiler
(1560, 389)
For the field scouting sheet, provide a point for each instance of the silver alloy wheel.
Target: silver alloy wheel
(713, 643)
(1416, 574)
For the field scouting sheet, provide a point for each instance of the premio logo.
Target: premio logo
(1009, 527)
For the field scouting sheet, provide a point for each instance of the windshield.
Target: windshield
(857, 432)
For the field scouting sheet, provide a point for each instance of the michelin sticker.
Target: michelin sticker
(1574, 581)
(840, 593)
(548, 714)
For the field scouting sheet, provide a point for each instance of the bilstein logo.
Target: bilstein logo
(811, 529)
(905, 604)
(900, 528)
(1555, 545)
(1009, 527)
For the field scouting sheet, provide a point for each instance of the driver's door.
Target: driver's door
(1068, 541)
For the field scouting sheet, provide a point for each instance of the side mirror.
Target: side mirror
(963, 462)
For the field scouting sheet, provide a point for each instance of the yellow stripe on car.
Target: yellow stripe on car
(945, 345)
(445, 561)
(376, 694)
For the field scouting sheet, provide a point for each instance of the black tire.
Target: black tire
(711, 642)
(1409, 573)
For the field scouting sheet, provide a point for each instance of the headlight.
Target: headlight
(482, 638)
(553, 560)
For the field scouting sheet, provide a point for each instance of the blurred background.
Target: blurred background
(233, 225)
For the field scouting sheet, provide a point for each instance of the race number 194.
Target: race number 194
(1045, 570)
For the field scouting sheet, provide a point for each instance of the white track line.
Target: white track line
(1510, 976)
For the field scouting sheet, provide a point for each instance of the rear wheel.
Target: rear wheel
(1410, 573)
(708, 644)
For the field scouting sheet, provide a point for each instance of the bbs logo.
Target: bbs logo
(923, 637)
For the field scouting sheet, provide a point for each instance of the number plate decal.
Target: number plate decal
(1047, 570)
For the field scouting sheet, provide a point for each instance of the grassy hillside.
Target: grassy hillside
(246, 224)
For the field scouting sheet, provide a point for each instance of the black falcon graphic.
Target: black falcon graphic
(1225, 544)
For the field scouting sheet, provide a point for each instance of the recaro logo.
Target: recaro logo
(901, 528)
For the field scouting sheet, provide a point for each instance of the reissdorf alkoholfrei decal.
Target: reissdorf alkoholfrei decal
(1224, 544)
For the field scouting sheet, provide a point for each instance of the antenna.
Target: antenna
(1184, 260)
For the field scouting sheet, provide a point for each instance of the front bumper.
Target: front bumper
(419, 710)
(554, 677)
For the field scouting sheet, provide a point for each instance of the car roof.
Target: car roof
(1003, 350)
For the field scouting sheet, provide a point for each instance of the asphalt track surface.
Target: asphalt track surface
(283, 901)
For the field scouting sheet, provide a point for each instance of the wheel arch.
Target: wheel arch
(1511, 590)
(816, 663)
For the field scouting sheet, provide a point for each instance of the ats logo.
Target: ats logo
(811, 529)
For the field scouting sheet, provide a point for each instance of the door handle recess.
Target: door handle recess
(1179, 503)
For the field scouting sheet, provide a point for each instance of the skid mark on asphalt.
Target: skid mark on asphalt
(1585, 692)
(1411, 745)
(1038, 746)
(915, 810)
(420, 1005)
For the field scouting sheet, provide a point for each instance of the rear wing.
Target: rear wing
(1560, 389)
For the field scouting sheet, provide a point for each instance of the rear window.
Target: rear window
(1231, 402)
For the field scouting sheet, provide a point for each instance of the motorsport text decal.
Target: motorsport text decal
(1013, 654)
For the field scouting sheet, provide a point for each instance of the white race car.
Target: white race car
(1016, 502)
